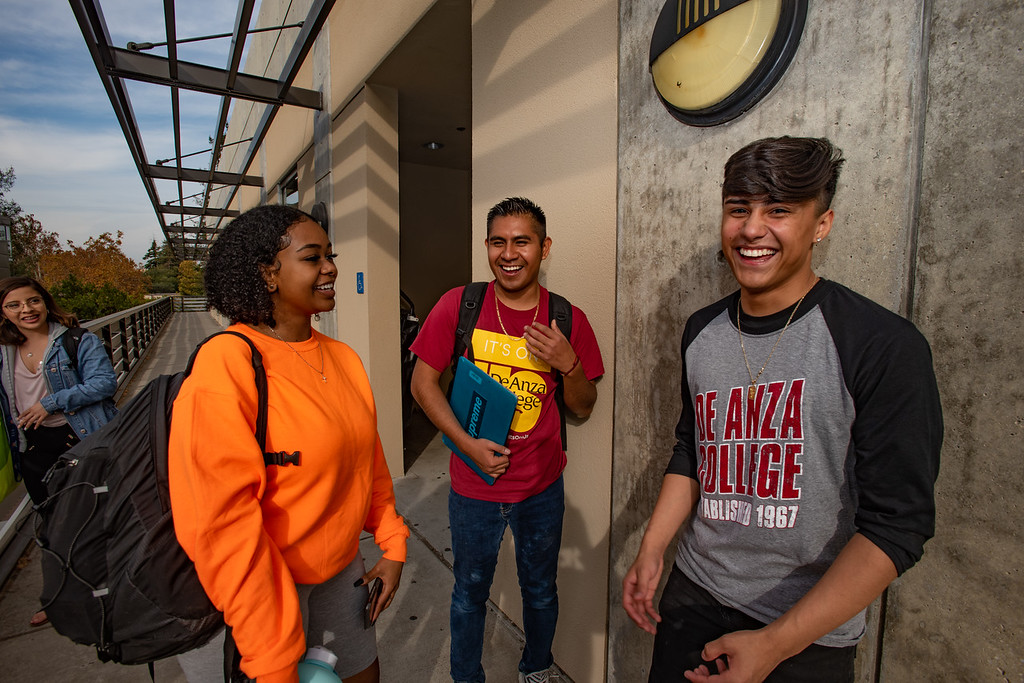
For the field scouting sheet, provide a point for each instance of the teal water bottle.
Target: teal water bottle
(318, 666)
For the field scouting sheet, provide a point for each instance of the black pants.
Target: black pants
(45, 445)
(691, 617)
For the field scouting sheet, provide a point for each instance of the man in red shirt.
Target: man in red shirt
(516, 342)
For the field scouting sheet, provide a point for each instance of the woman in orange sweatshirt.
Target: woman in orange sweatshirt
(277, 547)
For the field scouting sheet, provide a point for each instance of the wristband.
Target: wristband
(573, 367)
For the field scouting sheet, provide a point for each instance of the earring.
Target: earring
(273, 288)
(316, 317)
(818, 240)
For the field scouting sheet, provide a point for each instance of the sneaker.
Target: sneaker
(535, 677)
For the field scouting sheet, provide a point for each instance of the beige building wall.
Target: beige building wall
(365, 232)
(544, 126)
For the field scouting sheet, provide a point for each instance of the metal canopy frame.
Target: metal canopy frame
(116, 65)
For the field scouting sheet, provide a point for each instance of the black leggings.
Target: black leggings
(45, 446)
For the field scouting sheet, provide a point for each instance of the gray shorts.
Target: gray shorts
(332, 616)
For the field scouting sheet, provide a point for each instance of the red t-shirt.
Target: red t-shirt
(537, 457)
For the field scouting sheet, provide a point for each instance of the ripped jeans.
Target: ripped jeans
(477, 528)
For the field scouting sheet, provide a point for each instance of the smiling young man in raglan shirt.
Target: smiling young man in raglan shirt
(806, 454)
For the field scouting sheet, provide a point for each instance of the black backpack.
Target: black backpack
(559, 310)
(114, 575)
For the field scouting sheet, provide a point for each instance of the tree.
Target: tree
(162, 268)
(190, 279)
(30, 245)
(99, 261)
(88, 301)
(8, 207)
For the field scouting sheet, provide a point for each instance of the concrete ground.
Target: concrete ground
(412, 636)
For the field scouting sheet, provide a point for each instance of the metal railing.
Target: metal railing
(189, 304)
(127, 335)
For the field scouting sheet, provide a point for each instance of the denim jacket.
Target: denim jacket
(84, 396)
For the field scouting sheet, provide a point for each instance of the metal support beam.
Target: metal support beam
(196, 175)
(197, 211)
(317, 17)
(153, 69)
(115, 65)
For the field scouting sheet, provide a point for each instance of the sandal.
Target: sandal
(38, 619)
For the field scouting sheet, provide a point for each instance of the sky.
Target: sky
(57, 126)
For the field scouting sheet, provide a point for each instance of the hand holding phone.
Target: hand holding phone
(371, 601)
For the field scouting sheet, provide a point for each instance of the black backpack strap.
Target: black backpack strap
(469, 313)
(232, 659)
(71, 339)
(560, 310)
(280, 458)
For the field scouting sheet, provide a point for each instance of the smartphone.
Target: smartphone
(375, 587)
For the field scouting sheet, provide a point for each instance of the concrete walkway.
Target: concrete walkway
(412, 636)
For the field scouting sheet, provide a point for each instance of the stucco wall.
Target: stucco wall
(364, 141)
(922, 97)
(544, 86)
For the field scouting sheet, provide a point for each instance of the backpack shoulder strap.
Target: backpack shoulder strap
(560, 310)
(70, 340)
(469, 313)
(261, 387)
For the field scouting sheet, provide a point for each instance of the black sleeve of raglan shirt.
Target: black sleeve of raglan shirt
(897, 434)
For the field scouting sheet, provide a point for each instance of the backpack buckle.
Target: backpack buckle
(282, 458)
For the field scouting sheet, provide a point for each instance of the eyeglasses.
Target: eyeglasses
(15, 306)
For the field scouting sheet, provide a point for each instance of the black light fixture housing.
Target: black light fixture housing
(743, 69)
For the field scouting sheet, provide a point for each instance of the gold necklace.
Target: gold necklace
(497, 310)
(753, 380)
(319, 348)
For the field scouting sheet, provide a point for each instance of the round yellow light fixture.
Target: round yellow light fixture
(712, 60)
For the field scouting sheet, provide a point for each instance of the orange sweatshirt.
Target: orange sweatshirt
(255, 531)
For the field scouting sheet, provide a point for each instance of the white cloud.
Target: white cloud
(47, 148)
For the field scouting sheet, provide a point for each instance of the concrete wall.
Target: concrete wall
(544, 89)
(924, 102)
(959, 616)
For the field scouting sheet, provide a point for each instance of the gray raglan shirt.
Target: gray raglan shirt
(842, 436)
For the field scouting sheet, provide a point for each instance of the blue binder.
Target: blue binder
(482, 406)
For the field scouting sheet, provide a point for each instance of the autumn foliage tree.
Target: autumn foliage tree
(97, 262)
(94, 279)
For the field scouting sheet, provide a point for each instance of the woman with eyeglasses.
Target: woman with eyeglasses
(49, 400)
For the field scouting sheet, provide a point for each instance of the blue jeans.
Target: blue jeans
(477, 528)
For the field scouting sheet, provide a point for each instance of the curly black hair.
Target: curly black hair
(241, 253)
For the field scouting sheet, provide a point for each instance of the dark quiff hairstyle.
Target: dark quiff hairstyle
(785, 169)
(240, 255)
(519, 206)
(9, 332)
